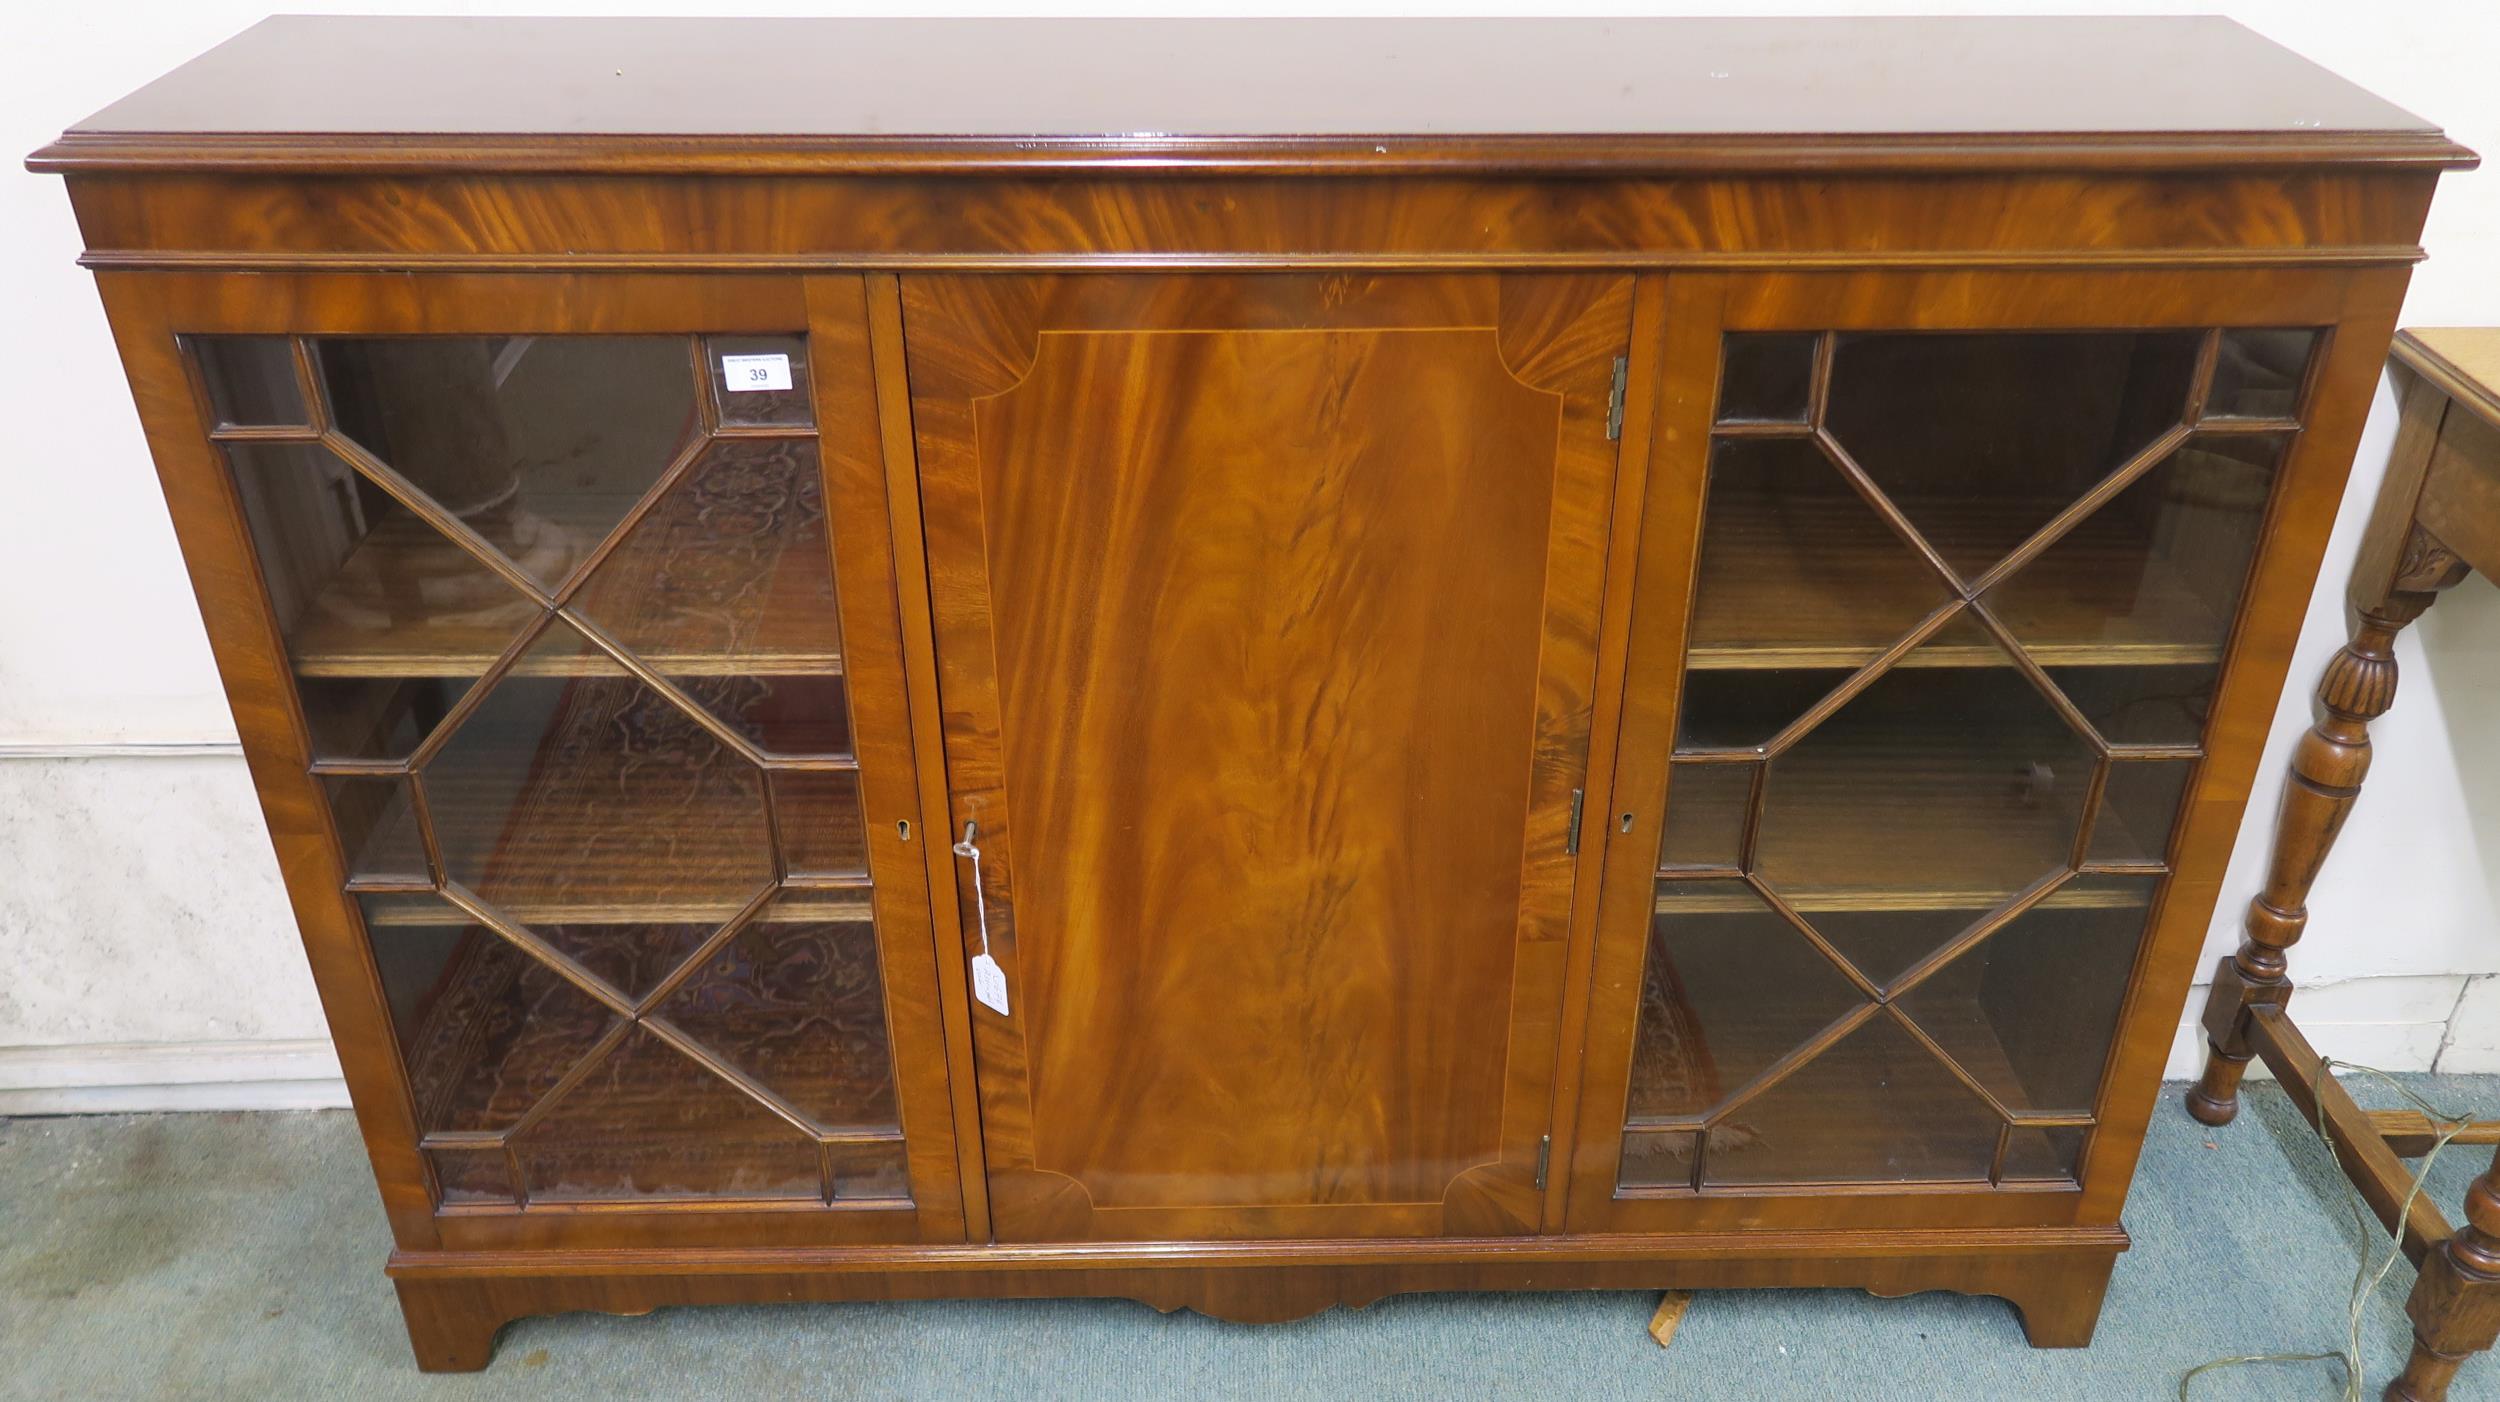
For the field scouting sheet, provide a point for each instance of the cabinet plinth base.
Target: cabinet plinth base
(455, 1303)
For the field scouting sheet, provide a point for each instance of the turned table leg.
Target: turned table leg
(2327, 769)
(2455, 1304)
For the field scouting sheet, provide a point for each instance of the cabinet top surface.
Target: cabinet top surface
(1371, 95)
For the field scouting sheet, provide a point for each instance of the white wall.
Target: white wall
(146, 955)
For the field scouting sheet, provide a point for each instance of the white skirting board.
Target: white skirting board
(127, 1077)
(2397, 1024)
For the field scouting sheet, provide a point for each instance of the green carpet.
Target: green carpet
(239, 1256)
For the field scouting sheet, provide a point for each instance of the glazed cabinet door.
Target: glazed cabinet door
(1265, 619)
(1940, 591)
(560, 621)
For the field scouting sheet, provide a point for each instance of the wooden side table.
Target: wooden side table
(2437, 519)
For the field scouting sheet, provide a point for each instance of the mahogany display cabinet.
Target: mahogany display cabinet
(1250, 665)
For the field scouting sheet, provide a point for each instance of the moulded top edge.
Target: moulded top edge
(1301, 96)
(336, 153)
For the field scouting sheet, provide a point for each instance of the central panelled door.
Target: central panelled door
(1265, 611)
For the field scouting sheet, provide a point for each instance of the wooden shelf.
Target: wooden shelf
(342, 633)
(2081, 894)
(793, 904)
(558, 854)
(610, 805)
(1823, 583)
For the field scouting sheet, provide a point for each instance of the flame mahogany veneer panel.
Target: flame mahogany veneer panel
(1269, 863)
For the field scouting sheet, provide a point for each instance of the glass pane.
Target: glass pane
(1797, 571)
(1729, 987)
(2139, 807)
(1766, 376)
(377, 827)
(1981, 438)
(1934, 788)
(870, 1172)
(630, 958)
(822, 833)
(1883, 944)
(2048, 1154)
(251, 381)
(1741, 709)
(797, 1004)
(797, 717)
(375, 717)
(1875, 1107)
(725, 587)
(539, 444)
(486, 1028)
(2152, 705)
(1949, 784)
(472, 1175)
(1657, 1159)
(2153, 578)
(567, 799)
(649, 1121)
(2030, 1011)
(387, 622)
(760, 380)
(1706, 814)
(2257, 374)
(617, 826)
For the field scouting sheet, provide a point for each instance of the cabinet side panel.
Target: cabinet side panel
(251, 661)
(2259, 655)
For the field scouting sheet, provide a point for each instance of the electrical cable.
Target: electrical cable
(2365, 1281)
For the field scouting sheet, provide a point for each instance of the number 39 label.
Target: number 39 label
(755, 372)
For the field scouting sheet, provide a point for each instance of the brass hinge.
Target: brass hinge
(1571, 839)
(1614, 400)
(1544, 1156)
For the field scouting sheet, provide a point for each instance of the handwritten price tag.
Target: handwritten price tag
(989, 984)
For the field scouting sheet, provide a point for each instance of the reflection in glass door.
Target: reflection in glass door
(1961, 604)
(561, 616)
